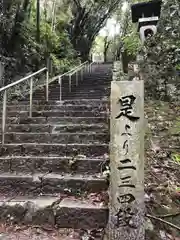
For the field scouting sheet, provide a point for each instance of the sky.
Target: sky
(112, 27)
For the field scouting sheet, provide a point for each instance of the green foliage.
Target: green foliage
(176, 158)
(19, 43)
(162, 54)
(88, 17)
(131, 43)
(98, 45)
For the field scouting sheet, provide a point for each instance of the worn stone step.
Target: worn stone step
(89, 150)
(64, 213)
(84, 90)
(94, 92)
(53, 97)
(79, 95)
(57, 114)
(95, 88)
(99, 85)
(97, 81)
(35, 164)
(82, 102)
(50, 183)
(75, 96)
(53, 128)
(57, 107)
(78, 137)
(93, 102)
(55, 120)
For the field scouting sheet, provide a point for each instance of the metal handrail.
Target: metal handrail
(67, 73)
(30, 77)
(5, 89)
(78, 67)
(70, 73)
(22, 80)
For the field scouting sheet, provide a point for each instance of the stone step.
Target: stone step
(57, 114)
(98, 85)
(65, 92)
(57, 107)
(91, 84)
(55, 120)
(89, 150)
(64, 213)
(91, 90)
(94, 87)
(50, 183)
(53, 128)
(75, 96)
(64, 138)
(54, 96)
(93, 102)
(36, 164)
(87, 82)
(69, 96)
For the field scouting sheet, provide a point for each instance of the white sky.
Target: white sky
(112, 27)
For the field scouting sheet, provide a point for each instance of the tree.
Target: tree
(107, 43)
(88, 18)
(162, 53)
(38, 21)
(27, 39)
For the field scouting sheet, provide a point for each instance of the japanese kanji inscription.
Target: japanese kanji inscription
(126, 219)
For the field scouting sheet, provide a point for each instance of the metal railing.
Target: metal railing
(5, 89)
(82, 67)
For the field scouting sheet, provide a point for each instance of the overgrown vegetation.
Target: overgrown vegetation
(33, 31)
(161, 54)
(160, 66)
(28, 38)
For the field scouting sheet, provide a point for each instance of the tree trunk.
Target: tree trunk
(83, 46)
(53, 16)
(38, 21)
(85, 56)
(19, 18)
(37, 28)
(105, 55)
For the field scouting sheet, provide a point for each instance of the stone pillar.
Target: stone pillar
(118, 73)
(126, 218)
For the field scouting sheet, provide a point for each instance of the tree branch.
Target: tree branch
(163, 221)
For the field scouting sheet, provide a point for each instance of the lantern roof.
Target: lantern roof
(145, 10)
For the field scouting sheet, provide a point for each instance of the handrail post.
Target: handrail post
(69, 82)
(47, 85)
(76, 78)
(81, 73)
(4, 116)
(60, 89)
(31, 97)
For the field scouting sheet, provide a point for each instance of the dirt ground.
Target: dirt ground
(46, 233)
(162, 173)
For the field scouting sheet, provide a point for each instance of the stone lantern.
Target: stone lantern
(147, 15)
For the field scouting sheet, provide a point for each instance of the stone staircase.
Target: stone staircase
(51, 166)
